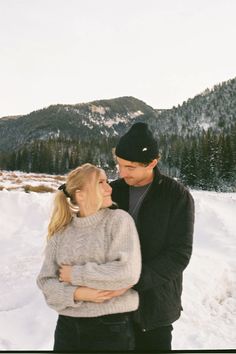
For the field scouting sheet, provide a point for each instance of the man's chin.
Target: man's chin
(129, 181)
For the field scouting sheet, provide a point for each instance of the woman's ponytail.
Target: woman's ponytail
(61, 214)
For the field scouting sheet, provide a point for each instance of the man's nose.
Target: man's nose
(122, 172)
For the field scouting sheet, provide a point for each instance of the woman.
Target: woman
(92, 260)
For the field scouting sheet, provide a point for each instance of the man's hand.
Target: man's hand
(84, 293)
(65, 273)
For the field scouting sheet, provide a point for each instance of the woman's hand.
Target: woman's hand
(65, 273)
(84, 293)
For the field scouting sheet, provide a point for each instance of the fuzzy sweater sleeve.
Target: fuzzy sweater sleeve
(58, 295)
(123, 259)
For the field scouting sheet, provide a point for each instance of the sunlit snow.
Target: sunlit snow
(209, 297)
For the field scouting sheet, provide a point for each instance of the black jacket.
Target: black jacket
(165, 227)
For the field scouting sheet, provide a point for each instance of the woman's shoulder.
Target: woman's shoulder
(58, 235)
(119, 214)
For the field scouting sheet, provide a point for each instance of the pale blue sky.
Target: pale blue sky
(70, 51)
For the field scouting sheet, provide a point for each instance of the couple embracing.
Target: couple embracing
(116, 253)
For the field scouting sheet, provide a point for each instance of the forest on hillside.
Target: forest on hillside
(206, 161)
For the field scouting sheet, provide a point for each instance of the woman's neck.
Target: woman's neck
(86, 212)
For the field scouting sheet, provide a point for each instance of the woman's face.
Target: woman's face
(88, 199)
(105, 190)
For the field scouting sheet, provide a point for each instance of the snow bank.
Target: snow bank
(209, 297)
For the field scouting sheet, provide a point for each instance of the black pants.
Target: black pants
(108, 333)
(154, 340)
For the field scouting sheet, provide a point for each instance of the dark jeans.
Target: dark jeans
(154, 340)
(108, 333)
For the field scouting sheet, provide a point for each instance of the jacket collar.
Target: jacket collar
(156, 180)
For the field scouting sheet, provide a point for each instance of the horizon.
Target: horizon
(108, 99)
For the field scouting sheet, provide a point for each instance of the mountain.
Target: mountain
(213, 109)
(197, 139)
(100, 119)
(10, 117)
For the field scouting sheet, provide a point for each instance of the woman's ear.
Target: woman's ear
(79, 195)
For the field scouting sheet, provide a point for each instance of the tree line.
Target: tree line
(206, 161)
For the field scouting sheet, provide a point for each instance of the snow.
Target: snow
(209, 296)
(205, 126)
(119, 118)
(135, 114)
(99, 109)
(17, 180)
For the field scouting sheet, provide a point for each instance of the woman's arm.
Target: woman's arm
(171, 263)
(84, 293)
(123, 265)
(58, 295)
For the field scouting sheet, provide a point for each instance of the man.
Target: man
(163, 210)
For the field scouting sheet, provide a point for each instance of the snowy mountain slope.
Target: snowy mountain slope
(209, 296)
(215, 109)
(81, 122)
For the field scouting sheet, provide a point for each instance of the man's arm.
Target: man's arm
(176, 256)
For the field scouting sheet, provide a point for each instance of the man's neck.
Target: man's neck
(145, 181)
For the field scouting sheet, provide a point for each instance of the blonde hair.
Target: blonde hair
(85, 176)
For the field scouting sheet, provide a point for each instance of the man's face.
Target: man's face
(134, 173)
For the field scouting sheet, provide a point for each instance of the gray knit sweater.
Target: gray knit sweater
(104, 251)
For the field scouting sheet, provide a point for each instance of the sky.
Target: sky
(162, 52)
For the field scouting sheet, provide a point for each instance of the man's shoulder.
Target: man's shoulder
(172, 184)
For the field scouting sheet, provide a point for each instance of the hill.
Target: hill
(197, 139)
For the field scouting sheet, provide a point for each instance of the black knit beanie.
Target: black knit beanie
(137, 145)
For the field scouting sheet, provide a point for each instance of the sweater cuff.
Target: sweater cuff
(68, 295)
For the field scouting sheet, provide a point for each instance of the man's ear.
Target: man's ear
(153, 164)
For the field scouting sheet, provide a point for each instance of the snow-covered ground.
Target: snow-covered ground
(209, 296)
(18, 180)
